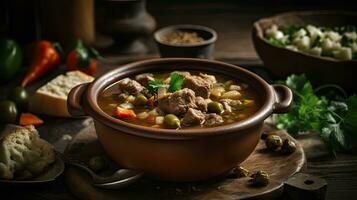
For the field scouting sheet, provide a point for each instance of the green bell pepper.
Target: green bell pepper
(10, 59)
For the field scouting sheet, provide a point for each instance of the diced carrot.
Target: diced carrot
(151, 119)
(30, 119)
(248, 102)
(151, 101)
(124, 113)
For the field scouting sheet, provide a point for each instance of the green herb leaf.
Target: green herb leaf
(154, 85)
(176, 81)
(334, 120)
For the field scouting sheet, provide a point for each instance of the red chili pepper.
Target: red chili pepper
(82, 59)
(30, 119)
(46, 58)
(124, 113)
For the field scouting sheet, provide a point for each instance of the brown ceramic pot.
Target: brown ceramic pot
(178, 155)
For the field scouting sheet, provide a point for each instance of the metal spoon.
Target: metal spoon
(118, 179)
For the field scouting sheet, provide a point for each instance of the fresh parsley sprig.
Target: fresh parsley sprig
(176, 81)
(154, 85)
(336, 121)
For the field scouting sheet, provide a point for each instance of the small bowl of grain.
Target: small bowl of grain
(190, 41)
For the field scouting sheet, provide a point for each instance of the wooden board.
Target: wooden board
(279, 167)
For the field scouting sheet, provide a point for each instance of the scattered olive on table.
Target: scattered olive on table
(8, 112)
(239, 172)
(97, 163)
(20, 97)
(171, 121)
(260, 178)
(273, 142)
(288, 146)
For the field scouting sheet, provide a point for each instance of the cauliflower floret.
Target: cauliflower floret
(314, 32)
(302, 43)
(351, 36)
(271, 31)
(300, 33)
(278, 35)
(316, 51)
(328, 45)
(274, 32)
(292, 47)
(334, 36)
(344, 53)
(353, 47)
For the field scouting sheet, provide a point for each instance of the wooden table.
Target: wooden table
(233, 23)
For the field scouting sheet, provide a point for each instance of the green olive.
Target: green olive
(240, 172)
(140, 100)
(215, 107)
(288, 146)
(260, 178)
(273, 142)
(8, 112)
(20, 97)
(97, 163)
(171, 121)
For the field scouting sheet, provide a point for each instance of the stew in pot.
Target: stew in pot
(179, 100)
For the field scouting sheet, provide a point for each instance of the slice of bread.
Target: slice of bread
(23, 154)
(51, 99)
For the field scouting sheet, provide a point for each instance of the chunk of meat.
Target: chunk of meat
(130, 86)
(209, 78)
(144, 79)
(178, 102)
(199, 85)
(122, 97)
(201, 104)
(193, 117)
(213, 119)
(228, 103)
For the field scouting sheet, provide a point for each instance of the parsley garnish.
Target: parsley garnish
(154, 85)
(176, 81)
(334, 120)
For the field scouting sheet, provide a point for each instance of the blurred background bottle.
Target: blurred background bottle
(66, 21)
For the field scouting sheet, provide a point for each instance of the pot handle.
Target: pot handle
(74, 101)
(283, 98)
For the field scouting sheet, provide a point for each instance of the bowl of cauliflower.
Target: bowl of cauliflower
(322, 44)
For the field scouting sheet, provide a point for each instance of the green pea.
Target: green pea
(215, 107)
(171, 121)
(140, 100)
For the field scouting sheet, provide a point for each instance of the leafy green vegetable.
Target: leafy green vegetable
(176, 81)
(334, 120)
(154, 85)
(290, 30)
(276, 42)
